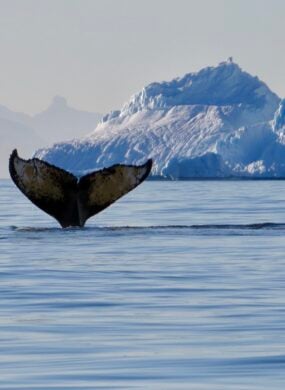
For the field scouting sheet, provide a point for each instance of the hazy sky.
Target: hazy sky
(97, 53)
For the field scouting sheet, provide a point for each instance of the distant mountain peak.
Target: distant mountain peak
(56, 123)
(58, 102)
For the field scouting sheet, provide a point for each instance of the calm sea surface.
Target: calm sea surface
(179, 285)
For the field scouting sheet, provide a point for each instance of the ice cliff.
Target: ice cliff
(218, 122)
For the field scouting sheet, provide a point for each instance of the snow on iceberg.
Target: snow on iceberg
(218, 122)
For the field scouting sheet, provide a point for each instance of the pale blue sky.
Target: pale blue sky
(97, 53)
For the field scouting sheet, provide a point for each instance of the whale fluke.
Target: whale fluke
(71, 201)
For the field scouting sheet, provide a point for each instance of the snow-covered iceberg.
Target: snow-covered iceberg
(218, 122)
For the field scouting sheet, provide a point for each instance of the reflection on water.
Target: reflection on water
(180, 285)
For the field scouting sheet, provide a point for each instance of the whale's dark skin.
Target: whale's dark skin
(71, 201)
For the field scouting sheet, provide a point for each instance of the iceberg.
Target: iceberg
(219, 122)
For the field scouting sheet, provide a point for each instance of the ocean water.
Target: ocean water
(179, 285)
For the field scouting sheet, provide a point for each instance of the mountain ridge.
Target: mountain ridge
(31, 132)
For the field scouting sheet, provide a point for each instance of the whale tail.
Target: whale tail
(69, 200)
